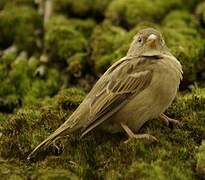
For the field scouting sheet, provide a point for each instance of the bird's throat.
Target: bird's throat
(152, 52)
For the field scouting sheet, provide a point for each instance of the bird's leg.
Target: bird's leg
(137, 136)
(61, 146)
(167, 120)
(55, 145)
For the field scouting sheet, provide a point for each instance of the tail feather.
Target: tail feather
(59, 132)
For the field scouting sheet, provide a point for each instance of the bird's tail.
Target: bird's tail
(61, 131)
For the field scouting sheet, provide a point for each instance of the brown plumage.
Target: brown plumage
(133, 90)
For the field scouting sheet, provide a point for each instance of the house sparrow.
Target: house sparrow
(135, 89)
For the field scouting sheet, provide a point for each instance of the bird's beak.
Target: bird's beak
(152, 41)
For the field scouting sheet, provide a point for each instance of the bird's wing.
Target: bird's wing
(123, 80)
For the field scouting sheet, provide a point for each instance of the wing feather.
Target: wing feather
(126, 80)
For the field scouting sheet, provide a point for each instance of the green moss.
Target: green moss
(80, 42)
(105, 39)
(158, 170)
(77, 64)
(184, 39)
(63, 40)
(69, 99)
(181, 19)
(10, 81)
(200, 12)
(3, 117)
(42, 88)
(20, 86)
(100, 155)
(9, 103)
(26, 22)
(82, 8)
(84, 26)
(201, 160)
(19, 2)
(129, 13)
(4, 3)
(30, 125)
(61, 174)
(12, 170)
(8, 56)
(18, 125)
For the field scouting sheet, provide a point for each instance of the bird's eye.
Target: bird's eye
(139, 40)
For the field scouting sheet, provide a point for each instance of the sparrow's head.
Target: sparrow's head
(148, 42)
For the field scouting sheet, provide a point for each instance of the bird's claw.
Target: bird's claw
(168, 120)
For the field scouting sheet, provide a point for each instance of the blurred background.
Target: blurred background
(51, 54)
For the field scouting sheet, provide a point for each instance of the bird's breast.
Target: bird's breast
(165, 83)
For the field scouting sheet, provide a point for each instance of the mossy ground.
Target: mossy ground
(79, 42)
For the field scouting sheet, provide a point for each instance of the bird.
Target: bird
(135, 89)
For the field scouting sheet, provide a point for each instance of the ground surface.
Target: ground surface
(48, 65)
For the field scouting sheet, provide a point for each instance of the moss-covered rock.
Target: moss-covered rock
(20, 25)
(19, 2)
(77, 65)
(105, 39)
(129, 13)
(42, 88)
(85, 26)
(18, 171)
(50, 173)
(200, 12)
(2, 4)
(20, 86)
(100, 155)
(30, 125)
(93, 8)
(181, 31)
(69, 99)
(63, 40)
(200, 156)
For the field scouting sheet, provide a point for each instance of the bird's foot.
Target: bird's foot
(143, 137)
(59, 147)
(137, 136)
(168, 120)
